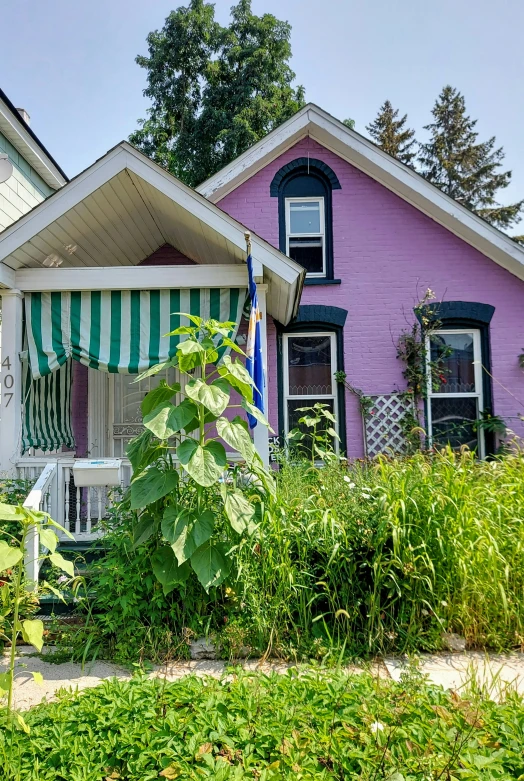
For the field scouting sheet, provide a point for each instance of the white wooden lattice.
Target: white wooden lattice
(383, 424)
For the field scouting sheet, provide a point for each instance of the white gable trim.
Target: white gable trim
(25, 144)
(363, 154)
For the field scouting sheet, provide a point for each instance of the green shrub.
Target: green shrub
(308, 726)
(372, 558)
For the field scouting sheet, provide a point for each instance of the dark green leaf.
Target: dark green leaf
(210, 564)
(166, 569)
(186, 531)
(164, 392)
(143, 450)
(166, 419)
(143, 529)
(151, 485)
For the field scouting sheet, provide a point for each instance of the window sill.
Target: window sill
(321, 281)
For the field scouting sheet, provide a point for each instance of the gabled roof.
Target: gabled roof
(20, 135)
(124, 207)
(313, 122)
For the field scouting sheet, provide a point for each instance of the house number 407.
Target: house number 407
(8, 381)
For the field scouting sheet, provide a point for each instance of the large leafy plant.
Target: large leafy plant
(180, 490)
(14, 590)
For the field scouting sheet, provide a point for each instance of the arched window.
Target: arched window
(304, 188)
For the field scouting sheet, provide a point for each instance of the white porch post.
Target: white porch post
(11, 381)
(260, 432)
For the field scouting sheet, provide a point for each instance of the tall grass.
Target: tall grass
(387, 556)
(363, 559)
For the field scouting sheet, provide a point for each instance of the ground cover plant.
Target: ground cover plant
(368, 559)
(255, 726)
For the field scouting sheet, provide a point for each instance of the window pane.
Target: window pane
(304, 217)
(294, 416)
(309, 366)
(455, 355)
(308, 252)
(452, 422)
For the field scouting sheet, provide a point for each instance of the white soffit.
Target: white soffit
(357, 150)
(123, 208)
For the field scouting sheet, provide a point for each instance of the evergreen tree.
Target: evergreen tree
(215, 90)
(391, 134)
(464, 168)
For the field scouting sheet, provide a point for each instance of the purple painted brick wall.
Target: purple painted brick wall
(387, 254)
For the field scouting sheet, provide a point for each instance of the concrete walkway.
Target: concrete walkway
(496, 672)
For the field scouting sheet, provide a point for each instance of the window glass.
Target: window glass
(304, 217)
(309, 365)
(453, 422)
(455, 354)
(309, 252)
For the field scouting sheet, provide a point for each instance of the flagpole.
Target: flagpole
(247, 237)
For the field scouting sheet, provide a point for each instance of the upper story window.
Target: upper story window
(305, 234)
(304, 190)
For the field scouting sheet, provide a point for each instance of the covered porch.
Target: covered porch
(124, 230)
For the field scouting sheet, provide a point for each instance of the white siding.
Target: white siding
(23, 190)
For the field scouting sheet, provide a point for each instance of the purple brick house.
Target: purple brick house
(346, 240)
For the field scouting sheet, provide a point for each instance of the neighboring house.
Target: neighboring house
(345, 242)
(35, 175)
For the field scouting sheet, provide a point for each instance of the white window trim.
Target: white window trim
(317, 396)
(477, 394)
(322, 233)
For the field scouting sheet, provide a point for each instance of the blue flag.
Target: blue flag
(254, 360)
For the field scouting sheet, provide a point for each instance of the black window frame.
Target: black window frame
(310, 319)
(475, 316)
(307, 178)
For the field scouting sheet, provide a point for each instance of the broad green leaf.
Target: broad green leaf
(186, 531)
(255, 412)
(11, 512)
(227, 342)
(56, 525)
(210, 565)
(265, 478)
(239, 511)
(164, 392)
(235, 433)
(33, 632)
(67, 566)
(151, 485)
(21, 723)
(48, 539)
(236, 375)
(166, 569)
(214, 397)
(143, 451)
(5, 683)
(190, 346)
(182, 329)
(204, 464)
(9, 556)
(38, 678)
(193, 318)
(159, 367)
(166, 419)
(143, 529)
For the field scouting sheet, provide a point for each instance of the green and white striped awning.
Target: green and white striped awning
(112, 331)
(117, 331)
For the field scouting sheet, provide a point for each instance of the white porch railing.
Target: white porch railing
(79, 510)
(39, 498)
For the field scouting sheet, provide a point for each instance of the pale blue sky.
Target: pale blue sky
(70, 63)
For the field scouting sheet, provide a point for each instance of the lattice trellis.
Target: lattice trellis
(383, 424)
